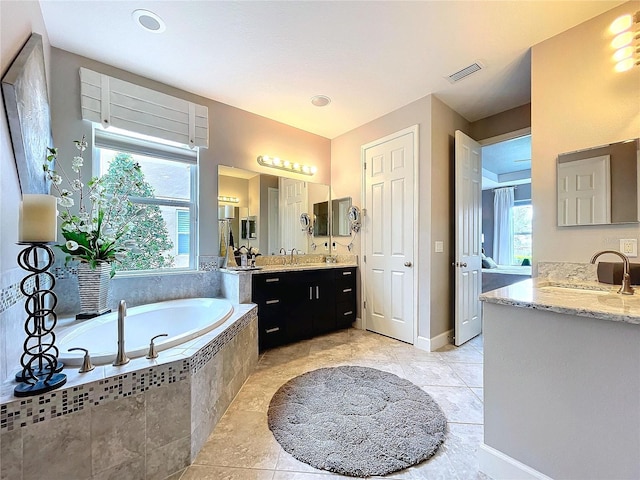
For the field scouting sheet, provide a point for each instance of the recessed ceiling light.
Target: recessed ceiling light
(320, 100)
(149, 21)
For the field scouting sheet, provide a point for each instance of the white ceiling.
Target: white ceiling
(370, 57)
(506, 163)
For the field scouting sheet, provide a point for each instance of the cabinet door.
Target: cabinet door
(323, 302)
(297, 312)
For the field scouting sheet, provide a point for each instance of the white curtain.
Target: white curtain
(503, 225)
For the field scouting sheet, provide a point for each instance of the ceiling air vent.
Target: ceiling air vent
(465, 72)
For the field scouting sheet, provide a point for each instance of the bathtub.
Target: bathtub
(183, 320)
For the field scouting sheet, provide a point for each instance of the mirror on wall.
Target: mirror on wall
(321, 219)
(269, 208)
(340, 225)
(599, 185)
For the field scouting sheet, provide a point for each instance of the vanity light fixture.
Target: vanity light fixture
(275, 162)
(626, 41)
(224, 198)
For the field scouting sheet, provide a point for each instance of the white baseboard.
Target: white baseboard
(358, 324)
(432, 344)
(499, 466)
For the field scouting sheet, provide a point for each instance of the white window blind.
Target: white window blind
(113, 102)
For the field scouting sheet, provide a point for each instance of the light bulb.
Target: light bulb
(314, 170)
(287, 164)
(622, 53)
(624, 65)
(305, 169)
(296, 166)
(622, 40)
(621, 24)
(277, 161)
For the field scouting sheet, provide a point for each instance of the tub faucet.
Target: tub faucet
(283, 252)
(625, 288)
(121, 357)
(292, 250)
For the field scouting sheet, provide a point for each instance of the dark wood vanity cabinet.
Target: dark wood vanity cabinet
(294, 305)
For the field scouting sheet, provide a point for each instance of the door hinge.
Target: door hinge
(365, 304)
(364, 212)
(365, 259)
(365, 165)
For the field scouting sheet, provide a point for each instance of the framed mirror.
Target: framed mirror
(340, 225)
(269, 208)
(599, 185)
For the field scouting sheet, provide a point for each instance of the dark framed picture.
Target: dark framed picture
(24, 88)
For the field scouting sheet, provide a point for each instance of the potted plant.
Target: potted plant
(92, 225)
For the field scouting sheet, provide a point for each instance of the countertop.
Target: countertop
(287, 268)
(594, 300)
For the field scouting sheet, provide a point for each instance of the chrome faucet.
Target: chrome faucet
(283, 252)
(292, 250)
(121, 357)
(625, 288)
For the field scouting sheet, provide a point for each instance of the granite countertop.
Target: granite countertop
(287, 268)
(585, 299)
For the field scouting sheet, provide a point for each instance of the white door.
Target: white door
(273, 202)
(389, 235)
(584, 197)
(293, 203)
(468, 220)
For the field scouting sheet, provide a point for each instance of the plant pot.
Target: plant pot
(93, 285)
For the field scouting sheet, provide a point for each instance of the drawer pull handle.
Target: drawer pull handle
(271, 302)
(271, 280)
(310, 293)
(348, 313)
(347, 273)
(346, 290)
(272, 330)
(317, 292)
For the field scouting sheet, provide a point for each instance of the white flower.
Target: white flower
(100, 242)
(243, 250)
(78, 161)
(85, 228)
(114, 201)
(65, 202)
(71, 245)
(120, 256)
(77, 185)
(83, 216)
(57, 179)
(108, 231)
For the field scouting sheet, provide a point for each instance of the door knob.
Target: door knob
(407, 264)
(463, 264)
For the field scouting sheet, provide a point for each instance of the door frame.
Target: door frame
(415, 130)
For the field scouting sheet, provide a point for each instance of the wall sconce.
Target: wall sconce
(626, 41)
(223, 198)
(275, 162)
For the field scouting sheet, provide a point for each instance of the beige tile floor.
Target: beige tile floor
(243, 448)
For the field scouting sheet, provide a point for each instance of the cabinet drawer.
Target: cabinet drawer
(271, 335)
(345, 293)
(267, 287)
(345, 314)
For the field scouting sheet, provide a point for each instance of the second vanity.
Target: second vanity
(561, 379)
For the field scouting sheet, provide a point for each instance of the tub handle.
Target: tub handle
(87, 366)
(153, 353)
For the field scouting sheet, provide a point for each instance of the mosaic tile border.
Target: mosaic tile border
(22, 412)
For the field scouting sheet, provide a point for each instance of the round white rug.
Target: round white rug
(356, 421)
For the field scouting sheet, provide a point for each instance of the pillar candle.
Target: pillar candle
(37, 221)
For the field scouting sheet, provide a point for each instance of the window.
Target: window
(163, 198)
(183, 232)
(522, 214)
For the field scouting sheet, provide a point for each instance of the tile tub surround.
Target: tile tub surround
(147, 419)
(600, 301)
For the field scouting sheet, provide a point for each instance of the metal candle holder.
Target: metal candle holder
(40, 367)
